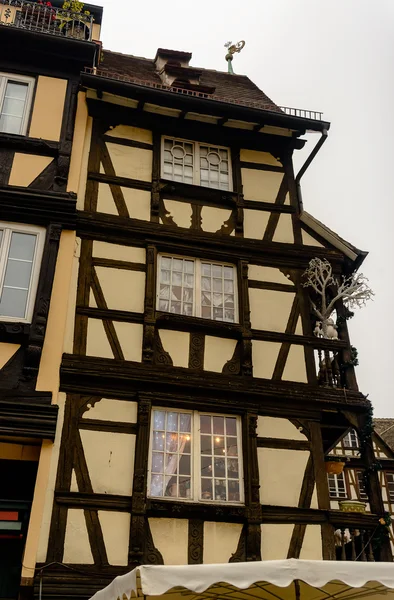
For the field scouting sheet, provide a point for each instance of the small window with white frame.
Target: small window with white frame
(198, 288)
(195, 456)
(337, 485)
(16, 93)
(21, 249)
(350, 440)
(196, 163)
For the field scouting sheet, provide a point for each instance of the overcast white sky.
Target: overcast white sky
(335, 56)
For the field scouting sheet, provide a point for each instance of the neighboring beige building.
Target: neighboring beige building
(162, 396)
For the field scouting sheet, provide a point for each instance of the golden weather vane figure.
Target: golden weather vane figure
(231, 50)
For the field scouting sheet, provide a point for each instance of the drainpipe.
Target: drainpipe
(306, 165)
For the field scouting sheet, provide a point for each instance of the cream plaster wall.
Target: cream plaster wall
(74, 484)
(312, 544)
(110, 461)
(264, 357)
(116, 252)
(220, 541)
(49, 491)
(295, 369)
(281, 475)
(170, 537)
(68, 345)
(116, 531)
(48, 374)
(281, 429)
(308, 240)
(113, 410)
(46, 121)
(181, 212)
(76, 543)
(314, 500)
(37, 510)
(176, 343)
(213, 218)
(130, 162)
(262, 186)
(299, 329)
(275, 540)
(81, 121)
(270, 310)
(269, 274)
(217, 352)
(131, 133)
(138, 203)
(262, 158)
(19, 452)
(284, 230)
(97, 343)
(130, 339)
(122, 289)
(26, 167)
(255, 223)
(83, 177)
(7, 351)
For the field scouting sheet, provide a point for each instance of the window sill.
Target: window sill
(20, 141)
(196, 502)
(13, 332)
(184, 323)
(188, 191)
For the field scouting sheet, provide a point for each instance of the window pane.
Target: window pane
(13, 107)
(22, 246)
(206, 489)
(214, 167)
(171, 455)
(219, 462)
(219, 279)
(176, 293)
(18, 274)
(178, 160)
(13, 303)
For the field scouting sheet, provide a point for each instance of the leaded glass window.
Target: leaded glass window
(195, 456)
(194, 287)
(195, 163)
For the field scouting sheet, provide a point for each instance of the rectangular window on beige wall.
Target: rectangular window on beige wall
(196, 163)
(195, 456)
(21, 249)
(199, 288)
(16, 92)
(337, 485)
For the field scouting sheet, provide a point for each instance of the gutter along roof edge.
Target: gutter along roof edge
(204, 105)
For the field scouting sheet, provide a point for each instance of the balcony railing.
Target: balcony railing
(39, 18)
(356, 545)
(295, 112)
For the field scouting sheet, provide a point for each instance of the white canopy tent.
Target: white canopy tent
(267, 580)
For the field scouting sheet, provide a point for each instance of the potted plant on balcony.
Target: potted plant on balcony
(352, 506)
(74, 21)
(334, 464)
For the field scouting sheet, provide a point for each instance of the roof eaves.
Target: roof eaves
(354, 254)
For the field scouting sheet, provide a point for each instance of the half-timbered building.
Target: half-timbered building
(195, 405)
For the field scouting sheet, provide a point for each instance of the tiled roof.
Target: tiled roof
(385, 428)
(238, 88)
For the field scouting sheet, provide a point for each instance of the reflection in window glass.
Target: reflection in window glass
(17, 275)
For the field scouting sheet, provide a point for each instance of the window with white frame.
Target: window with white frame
(362, 493)
(16, 92)
(20, 258)
(350, 440)
(196, 163)
(195, 456)
(199, 288)
(337, 485)
(390, 486)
